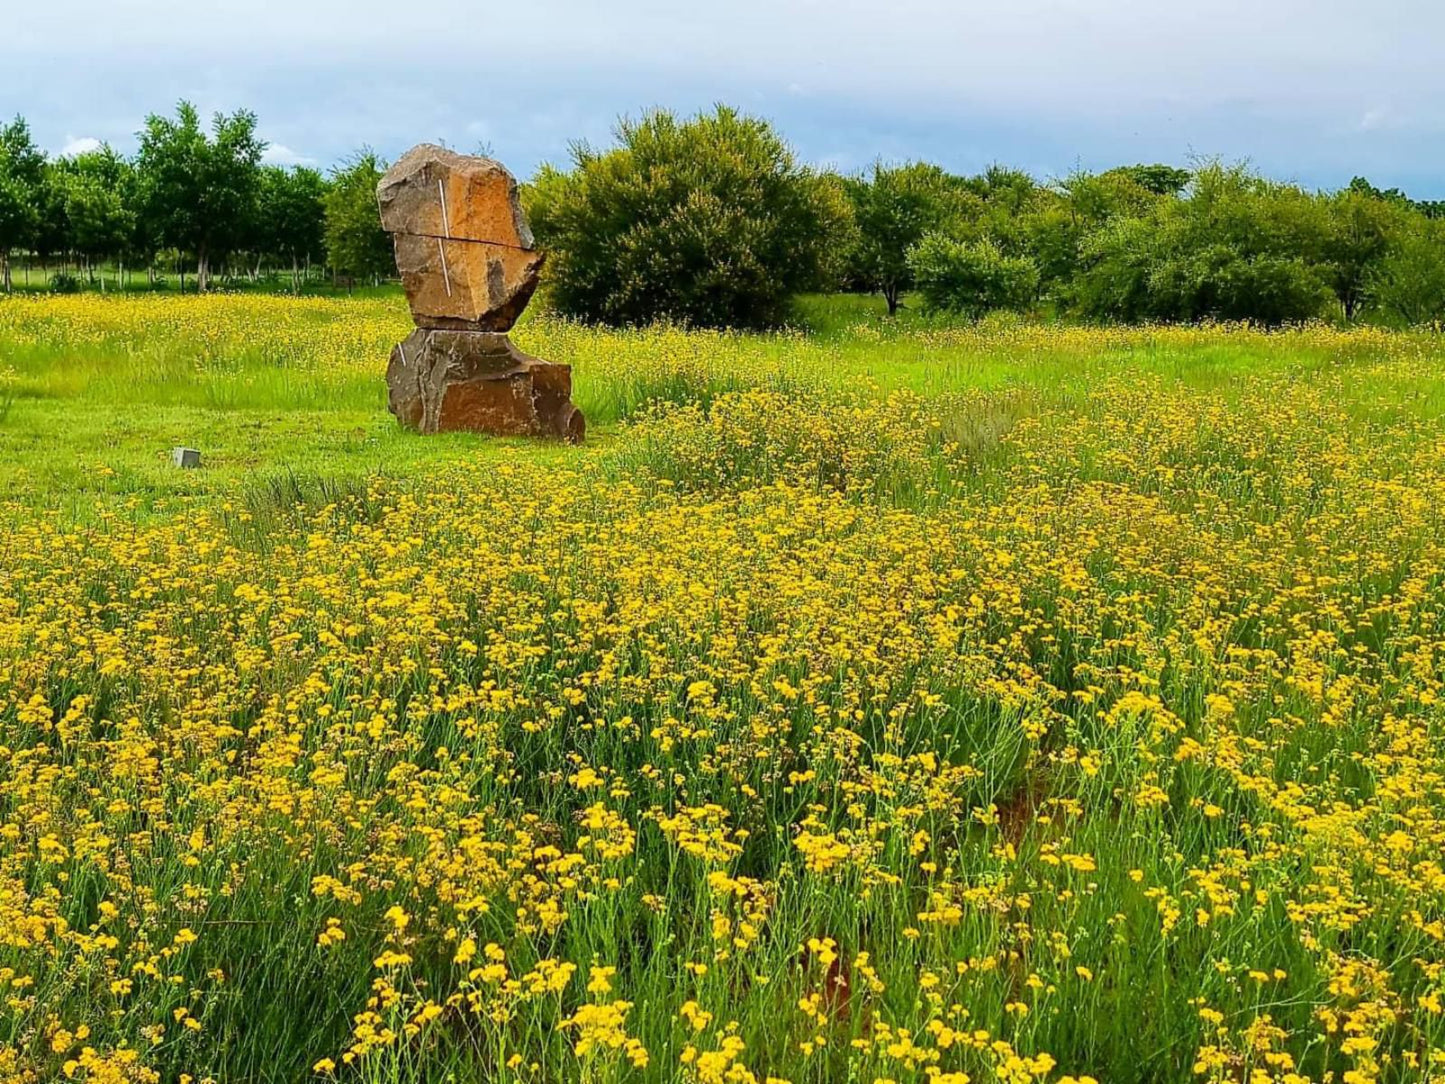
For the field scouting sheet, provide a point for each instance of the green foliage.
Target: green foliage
(1161, 180)
(1408, 284)
(1011, 190)
(22, 170)
(358, 246)
(709, 221)
(971, 278)
(892, 211)
(199, 193)
(291, 217)
(1237, 248)
(98, 190)
(1358, 226)
(52, 232)
(712, 221)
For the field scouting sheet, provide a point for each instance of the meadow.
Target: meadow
(873, 702)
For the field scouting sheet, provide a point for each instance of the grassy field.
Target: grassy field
(867, 703)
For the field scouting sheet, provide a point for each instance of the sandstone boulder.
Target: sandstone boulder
(464, 285)
(438, 193)
(440, 380)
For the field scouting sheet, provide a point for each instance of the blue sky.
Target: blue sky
(1314, 91)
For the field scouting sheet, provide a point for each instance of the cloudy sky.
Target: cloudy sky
(1314, 91)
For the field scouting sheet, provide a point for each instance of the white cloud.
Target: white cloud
(278, 154)
(1379, 119)
(83, 145)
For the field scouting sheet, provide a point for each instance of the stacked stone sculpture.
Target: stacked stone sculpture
(469, 266)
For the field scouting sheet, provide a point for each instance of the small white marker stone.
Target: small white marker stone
(186, 458)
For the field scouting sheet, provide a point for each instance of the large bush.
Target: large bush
(971, 278)
(709, 221)
(1237, 248)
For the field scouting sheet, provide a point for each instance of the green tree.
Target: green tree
(22, 176)
(1008, 190)
(893, 208)
(199, 192)
(971, 277)
(1237, 247)
(1357, 236)
(292, 217)
(51, 239)
(710, 221)
(1158, 179)
(1408, 283)
(356, 245)
(99, 206)
(1057, 221)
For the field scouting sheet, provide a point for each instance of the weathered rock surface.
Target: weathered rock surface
(460, 285)
(466, 260)
(438, 193)
(441, 380)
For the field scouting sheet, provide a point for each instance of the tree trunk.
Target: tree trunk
(203, 271)
(5, 268)
(295, 274)
(890, 294)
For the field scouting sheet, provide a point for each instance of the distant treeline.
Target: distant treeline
(711, 220)
(190, 196)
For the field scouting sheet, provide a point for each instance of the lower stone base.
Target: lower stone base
(439, 381)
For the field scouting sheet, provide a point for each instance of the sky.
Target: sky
(1311, 91)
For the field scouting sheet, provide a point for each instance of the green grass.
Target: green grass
(1141, 629)
(92, 410)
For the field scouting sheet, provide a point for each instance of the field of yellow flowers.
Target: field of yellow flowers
(1005, 703)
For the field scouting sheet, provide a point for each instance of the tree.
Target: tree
(1357, 236)
(892, 211)
(1009, 190)
(99, 206)
(1237, 247)
(1056, 221)
(971, 278)
(292, 217)
(199, 193)
(52, 236)
(709, 221)
(1408, 283)
(1161, 180)
(22, 174)
(355, 242)
(1361, 186)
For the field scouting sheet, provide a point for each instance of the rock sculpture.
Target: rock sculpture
(469, 266)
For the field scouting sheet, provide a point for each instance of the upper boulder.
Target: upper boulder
(434, 192)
